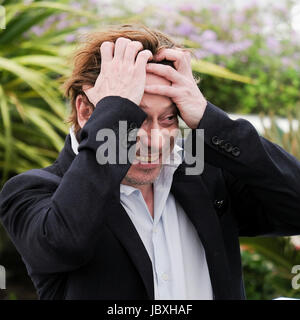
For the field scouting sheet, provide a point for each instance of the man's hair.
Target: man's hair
(87, 60)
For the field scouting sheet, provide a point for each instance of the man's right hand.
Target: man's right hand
(123, 71)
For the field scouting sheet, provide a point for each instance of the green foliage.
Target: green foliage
(268, 270)
(258, 277)
(290, 140)
(267, 265)
(254, 41)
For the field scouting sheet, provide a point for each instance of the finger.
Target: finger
(177, 56)
(169, 54)
(143, 57)
(131, 51)
(120, 47)
(164, 71)
(188, 56)
(162, 90)
(86, 89)
(107, 51)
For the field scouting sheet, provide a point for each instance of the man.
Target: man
(87, 229)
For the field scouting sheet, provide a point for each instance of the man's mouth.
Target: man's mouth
(147, 159)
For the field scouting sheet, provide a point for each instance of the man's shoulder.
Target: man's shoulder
(45, 179)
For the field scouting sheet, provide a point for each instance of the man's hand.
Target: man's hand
(184, 91)
(123, 71)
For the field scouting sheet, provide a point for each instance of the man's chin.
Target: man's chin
(141, 175)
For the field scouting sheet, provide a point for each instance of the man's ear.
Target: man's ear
(84, 110)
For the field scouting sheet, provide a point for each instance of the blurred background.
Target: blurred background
(246, 54)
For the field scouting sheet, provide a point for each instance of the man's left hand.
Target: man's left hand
(184, 91)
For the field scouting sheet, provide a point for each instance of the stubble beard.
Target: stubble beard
(131, 180)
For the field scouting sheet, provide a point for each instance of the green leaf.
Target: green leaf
(218, 71)
(56, 64)
(38, 81)
(8, 135)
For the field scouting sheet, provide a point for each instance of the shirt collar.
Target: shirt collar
(74, 142)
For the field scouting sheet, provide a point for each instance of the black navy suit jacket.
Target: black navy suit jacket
(78, 242)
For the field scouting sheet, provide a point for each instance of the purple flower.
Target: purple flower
(208, 35)
(76, 5)
(166, 7)
(215, 47)
(37, 30)
(239, 18)
(70, 38)
(273, 44)
(196, 38)
(250, 5)
(237, 35)
(280, 8)
(187, 7)
(215, 8)
(62, 25)
(51, 19)
(255, 29)
(239, 46)
(185, 29)
(286, 62)
(200, 54)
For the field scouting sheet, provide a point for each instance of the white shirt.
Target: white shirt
(178, 259)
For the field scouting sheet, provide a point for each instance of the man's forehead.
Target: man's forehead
(165, 107)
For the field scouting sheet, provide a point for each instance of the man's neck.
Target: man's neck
(148, 195)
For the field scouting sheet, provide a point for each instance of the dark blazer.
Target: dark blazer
(78, 242)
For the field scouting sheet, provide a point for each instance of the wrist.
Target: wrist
(198, 115)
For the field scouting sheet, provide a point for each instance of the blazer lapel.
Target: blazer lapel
(123, 228)
(192, 194)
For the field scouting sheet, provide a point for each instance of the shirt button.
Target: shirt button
(165, 276)
(154, 230)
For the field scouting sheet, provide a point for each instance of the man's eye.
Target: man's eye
(169, 120)
(171, 117)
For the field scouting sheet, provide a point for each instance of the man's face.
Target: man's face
(156, 136)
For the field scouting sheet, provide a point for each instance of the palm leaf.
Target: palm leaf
(218, 71)
(8, 135)
(38, 81)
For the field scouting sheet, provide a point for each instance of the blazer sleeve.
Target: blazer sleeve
(54, 226)
(262, 178)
